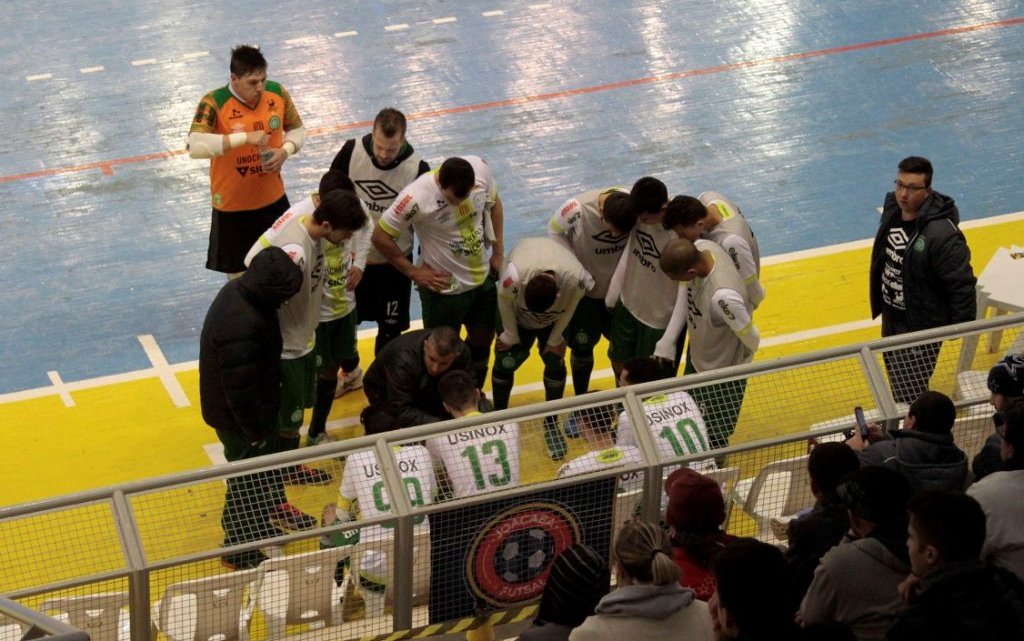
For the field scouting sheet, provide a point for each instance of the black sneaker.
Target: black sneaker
(290, 517)
(305, 475)
(243, 560)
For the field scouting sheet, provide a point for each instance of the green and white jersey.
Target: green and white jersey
(647, 292)
(377, 188)
(737, 239)
(722, 332)
(530, 257)
(452, 238)
(578, 223)
(480, 459)
(608, 459)
(675, 423)
(362, 484)
(339, 301)
(300, 314)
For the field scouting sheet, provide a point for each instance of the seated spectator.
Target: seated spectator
(753, 599)
(401, 383)
(695, 514)
(578, 580)
(813, 534)
(923, 451)
(952, 593)
(1000, 496)
(1005, 382)
(648, 603)
(855, 583)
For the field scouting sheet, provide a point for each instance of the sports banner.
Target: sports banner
(498, 555)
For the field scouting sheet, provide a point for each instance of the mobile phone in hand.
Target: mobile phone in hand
(862, 424)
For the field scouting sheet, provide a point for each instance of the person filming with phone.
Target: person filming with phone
(923, 451)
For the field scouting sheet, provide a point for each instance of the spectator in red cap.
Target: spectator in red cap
(695, 515)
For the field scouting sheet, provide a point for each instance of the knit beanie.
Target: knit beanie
(579, 578)
(1007, 377)
(695, 502)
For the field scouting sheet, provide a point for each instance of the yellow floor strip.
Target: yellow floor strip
(131, 430)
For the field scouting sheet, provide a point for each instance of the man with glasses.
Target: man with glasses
(921, 274)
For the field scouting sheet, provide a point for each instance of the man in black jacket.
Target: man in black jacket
(951, 593)
(921, 274)
(401, 383)
(239, 393)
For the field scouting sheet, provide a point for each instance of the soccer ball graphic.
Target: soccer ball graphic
(525, 555)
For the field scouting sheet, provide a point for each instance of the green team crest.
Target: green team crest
(919, 244)
(275, 122)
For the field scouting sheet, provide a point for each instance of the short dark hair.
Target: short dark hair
(458, 175)
(917, 165)
(598, 418)
(829, 463)
(458, 389)
(246, 59)
(341, 209)
(951, 522)
(683, 211)
(649, 195)
(1013, 432)
(390, 121)
(541, 292)
(644, 370)
(742, 570)
(934, 412)
(875, 493)
(619, 211)
(445, 340)
(334, 180)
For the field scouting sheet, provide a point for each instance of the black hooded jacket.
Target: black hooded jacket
(240, 347)
(938, 282)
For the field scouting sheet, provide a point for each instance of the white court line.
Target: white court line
(769, 341)
(39, 76)
(492, 14)
(196, 54)
(445, 20)
(95, 69)
(58, 384)
(346, 34)
(535, 7)
(303, 40)
(396, 27)
(143, 62)
(163, 370)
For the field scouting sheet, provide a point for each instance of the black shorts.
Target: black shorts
(233, 233)
(383, 297)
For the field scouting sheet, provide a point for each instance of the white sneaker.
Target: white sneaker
(348, 382)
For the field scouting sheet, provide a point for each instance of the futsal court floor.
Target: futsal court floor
(799, 111)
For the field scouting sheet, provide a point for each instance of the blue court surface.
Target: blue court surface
(799, 110)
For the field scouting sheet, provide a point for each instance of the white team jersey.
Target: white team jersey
(451, 238)
(675, 423)
(647, 292)
(606, 459)
(300, 314)
(737, 239)
(479, 460)
(363, 484)
(338, 300)
(579, 222)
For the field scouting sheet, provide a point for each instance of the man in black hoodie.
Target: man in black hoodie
(240, 390)
(921, 274)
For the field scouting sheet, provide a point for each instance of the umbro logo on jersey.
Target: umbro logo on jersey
(898, 238)
(235, 114)
(648, 247)
(605, 236)
(272, 105)
(376, 189)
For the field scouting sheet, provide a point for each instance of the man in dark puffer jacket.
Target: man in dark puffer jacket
(239, 391)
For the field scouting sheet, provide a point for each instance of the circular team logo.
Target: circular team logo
(508, 361)
(582, 338)
(510, 558)
(275, 123)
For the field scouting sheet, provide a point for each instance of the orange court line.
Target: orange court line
(107, 166)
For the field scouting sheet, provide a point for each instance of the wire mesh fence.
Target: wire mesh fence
(438, 523)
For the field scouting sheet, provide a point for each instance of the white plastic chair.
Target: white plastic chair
(207, 609)
(420, 568)
(12, 629)
(96, 614)
(727, 479)
(781, 488)
(623, 509)
(292, 590)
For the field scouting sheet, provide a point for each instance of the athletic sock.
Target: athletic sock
(321, 406)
